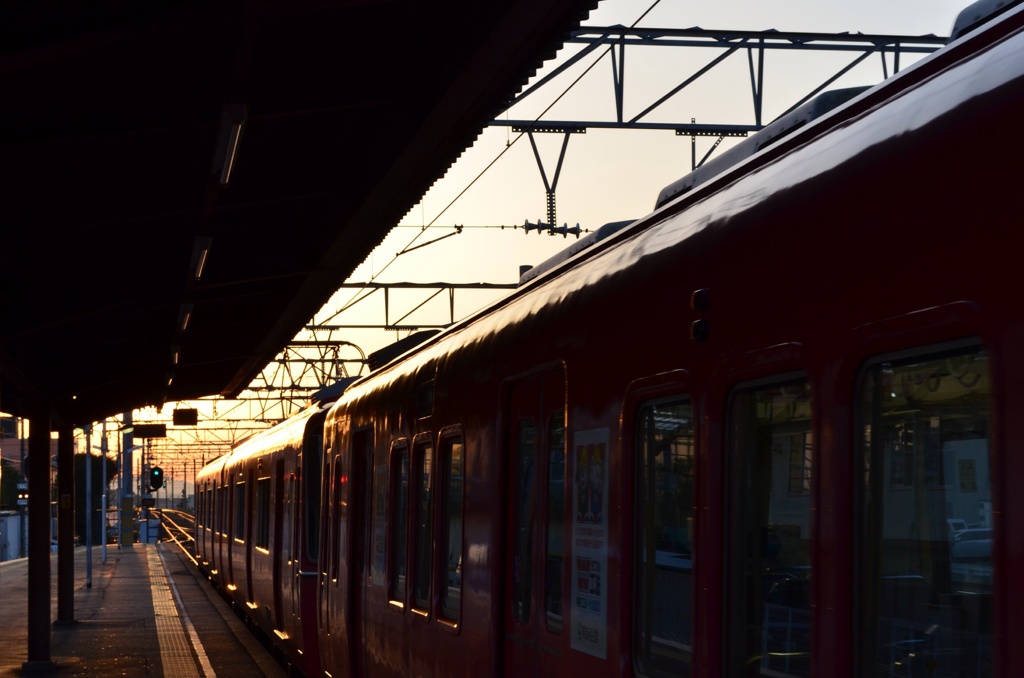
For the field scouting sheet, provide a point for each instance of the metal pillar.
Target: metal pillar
(65, 525)
(127, 537)
(39, 542)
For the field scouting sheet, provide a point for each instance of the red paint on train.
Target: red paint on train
(770, 429)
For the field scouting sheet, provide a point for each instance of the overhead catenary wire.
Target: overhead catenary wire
(508, 144)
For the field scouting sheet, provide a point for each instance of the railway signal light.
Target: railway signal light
(156, 478)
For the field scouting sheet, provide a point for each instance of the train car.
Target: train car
(768, 430)
(749, 434)
(258, 532)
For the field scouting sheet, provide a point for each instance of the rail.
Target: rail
(179, 527)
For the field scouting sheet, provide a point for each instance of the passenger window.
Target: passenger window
(310, 475)
(451, 465)
(239, 525)
(261, 538)
(399, 524)
(380, 520)
(664, 450)
(925, 599)
(769, 519)
(422, 553)
(222, 509)
(556, 523)
(522, 576)
(339, 516)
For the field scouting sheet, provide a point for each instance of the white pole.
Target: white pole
(103, 451)
(88, 506)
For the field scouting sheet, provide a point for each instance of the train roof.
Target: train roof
(781, 127)
(583, 243)
(567, 272)
(978, 13)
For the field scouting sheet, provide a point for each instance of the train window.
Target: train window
(380, 513)
(310, 474)
(664, 450)
(293, 549)
(222, 508)
(555, 523)
(239, 525)
(522, 576)
(423, 524)
(925, 598)
(769, 576)
(399, 524)
(450, 463)
(339, 515)
(261, 536)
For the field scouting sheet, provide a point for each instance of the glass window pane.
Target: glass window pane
(522, 575)
(769, 582)
(424, 527)
(451, 592)
(312, 458)
(399, 524)
(239, 511)
(262, 536)
(556, 523)
(926, 541)
(664, 532)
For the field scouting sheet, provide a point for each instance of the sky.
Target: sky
(608, 175)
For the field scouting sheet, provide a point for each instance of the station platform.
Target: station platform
(148, 612)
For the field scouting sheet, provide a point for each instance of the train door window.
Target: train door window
(926, 535)
(311, 472)
(399, 524)
(535, 536)
(290, 520)
(769, 574)
(522, 576)
(339, 515)
(450, 464)
(261, 536)
(380, 520)
(239, 523)
(222, 508)
(555, 528)
(663, 625)
(423, 453)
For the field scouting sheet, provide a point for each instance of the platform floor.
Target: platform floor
(147, 613)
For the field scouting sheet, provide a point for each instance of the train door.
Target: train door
(535, 568)
(279, 552)
(359, 519)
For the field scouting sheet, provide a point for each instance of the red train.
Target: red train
(774, 428)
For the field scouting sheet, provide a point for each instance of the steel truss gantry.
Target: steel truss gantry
(754, 44)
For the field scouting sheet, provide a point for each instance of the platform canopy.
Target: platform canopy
(270, 143)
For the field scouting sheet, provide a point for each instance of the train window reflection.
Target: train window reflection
(450, 462)
(664, 528)
(926, 537)
(769, 577)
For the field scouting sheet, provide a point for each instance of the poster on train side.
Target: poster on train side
(589, 584)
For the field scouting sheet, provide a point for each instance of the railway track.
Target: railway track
(179, 527)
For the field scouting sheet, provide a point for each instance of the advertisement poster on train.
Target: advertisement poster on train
(589, 614)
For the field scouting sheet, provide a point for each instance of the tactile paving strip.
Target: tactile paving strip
(175, 649)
